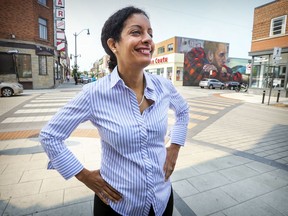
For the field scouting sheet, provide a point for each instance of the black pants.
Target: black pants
(101, 209)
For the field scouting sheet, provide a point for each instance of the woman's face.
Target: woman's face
(136, 46)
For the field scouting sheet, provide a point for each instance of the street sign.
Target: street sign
(260, 59)
(248, 68)
(276, 55)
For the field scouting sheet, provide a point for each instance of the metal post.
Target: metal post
(263, 97)
(278, 95)
(75, 56)
(75, 60)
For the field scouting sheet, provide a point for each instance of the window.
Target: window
(24, 66)
(43, 65)
(179, 74)
(170, 47)
(161, 50)
(278, 26)
(169, 73)
(160, 71)
(43, 2)
(6, 64)
(43, 28)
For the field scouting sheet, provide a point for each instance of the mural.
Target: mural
(205, 59)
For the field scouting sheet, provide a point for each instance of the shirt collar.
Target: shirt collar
(115, 78)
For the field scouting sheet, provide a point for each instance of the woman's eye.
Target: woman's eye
(136, 32)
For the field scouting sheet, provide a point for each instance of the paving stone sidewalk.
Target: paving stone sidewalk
(235, 166)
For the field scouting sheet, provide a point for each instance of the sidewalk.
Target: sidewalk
(233, 167)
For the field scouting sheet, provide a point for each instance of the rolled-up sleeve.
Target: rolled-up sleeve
(180, 106)
(58, 129)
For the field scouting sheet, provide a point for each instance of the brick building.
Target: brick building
(27, 44)
(269, 48)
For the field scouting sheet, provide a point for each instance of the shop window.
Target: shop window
(170, 47)
(161, 50)
(42, 2)
(6, 64)
(160, 71)
(179, 74)
(169, 73)
(278, 26)
(24, 67)
(43, 65)
(279, 77)
(43, 33)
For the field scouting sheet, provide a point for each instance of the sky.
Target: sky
(229, 21)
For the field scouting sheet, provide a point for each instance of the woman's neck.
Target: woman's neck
(132, 78)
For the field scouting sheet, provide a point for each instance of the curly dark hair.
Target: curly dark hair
(113, 27)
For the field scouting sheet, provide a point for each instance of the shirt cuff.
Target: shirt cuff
(66, 164)
(178, 134)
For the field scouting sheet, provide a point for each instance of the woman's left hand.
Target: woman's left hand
(171, 158)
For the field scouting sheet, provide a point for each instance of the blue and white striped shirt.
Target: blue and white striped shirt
(133, 147)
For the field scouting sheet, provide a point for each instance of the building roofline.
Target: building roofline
(266, 4)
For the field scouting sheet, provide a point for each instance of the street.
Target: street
(235, 161)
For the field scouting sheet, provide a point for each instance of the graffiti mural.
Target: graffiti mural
(205, 59)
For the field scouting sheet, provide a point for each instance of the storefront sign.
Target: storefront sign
(60, 24)
(40, 50)
(159, 60)
(60, 45)
(60, 13)
(59, 3)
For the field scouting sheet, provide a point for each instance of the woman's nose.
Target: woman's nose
(147, 38)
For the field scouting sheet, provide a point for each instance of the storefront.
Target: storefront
(269, 72)
(29, 64)
(169, 66)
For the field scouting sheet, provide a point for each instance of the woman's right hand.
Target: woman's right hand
(94, 181)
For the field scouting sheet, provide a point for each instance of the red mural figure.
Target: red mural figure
(208, 62)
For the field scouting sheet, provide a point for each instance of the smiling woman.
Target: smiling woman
(129, 107)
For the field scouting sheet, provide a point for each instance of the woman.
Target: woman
(129, 108)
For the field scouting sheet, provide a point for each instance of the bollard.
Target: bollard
(278, 95)
(263, 97)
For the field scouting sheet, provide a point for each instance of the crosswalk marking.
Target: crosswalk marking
(50, 100)
(45, 105)
(208, 102)
(54, 110)
(27, 119)
(200, 109)
(193, 109)
(206, 106)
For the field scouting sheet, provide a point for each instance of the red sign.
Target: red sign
(159, 60)
(61, 45)
(60, 13)
(60, 3)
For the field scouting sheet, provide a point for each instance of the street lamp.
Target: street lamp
(75, 34)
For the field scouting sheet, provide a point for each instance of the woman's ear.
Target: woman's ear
(112, 45)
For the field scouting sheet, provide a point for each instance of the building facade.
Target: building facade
(28, 49)
(186, 61)
(269, 48)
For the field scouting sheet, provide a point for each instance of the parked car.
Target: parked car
(211, 84)
(8, 89)
(231, 85)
